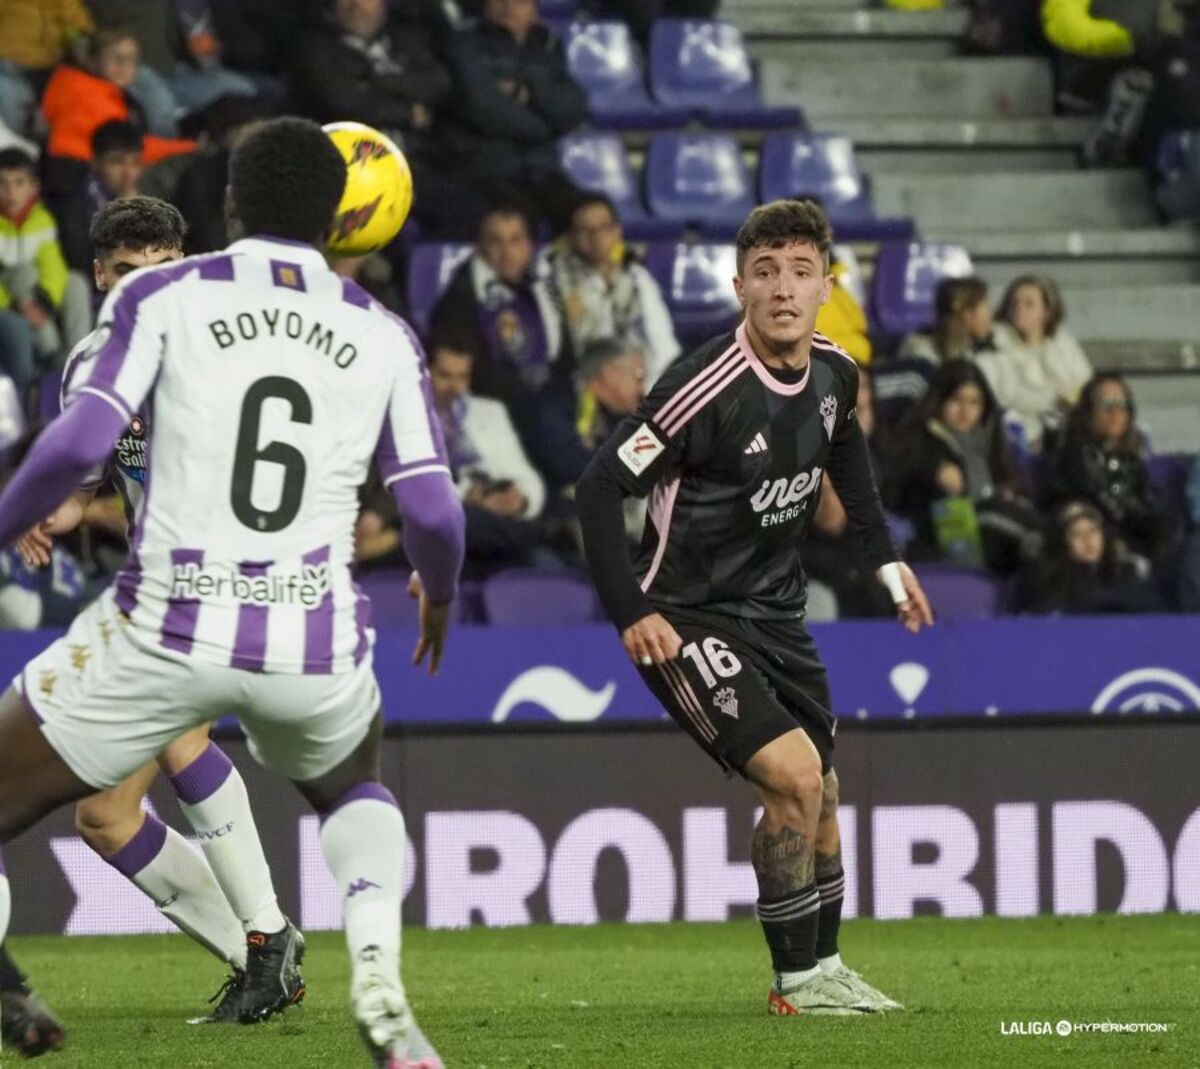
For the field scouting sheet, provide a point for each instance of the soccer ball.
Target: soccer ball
(379, 190)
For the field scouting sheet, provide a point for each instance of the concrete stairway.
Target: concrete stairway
(972, 149)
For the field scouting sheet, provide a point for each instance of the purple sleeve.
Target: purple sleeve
(60, 459)
(434, 531)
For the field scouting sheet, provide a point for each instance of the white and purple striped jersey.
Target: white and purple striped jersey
(270, 384)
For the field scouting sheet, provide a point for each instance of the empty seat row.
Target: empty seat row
(698, 70)
(702, 180)
(696, 282)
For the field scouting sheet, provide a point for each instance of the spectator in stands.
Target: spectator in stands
(40, 315)
(258, 35)
(842, 319)
(962, 327)
(568, 421)
(513, 99)
(199, 193)
(1190, 573)
(640, 14)
(518, 332)
(79, 100)
(1179, 193)
(115, 171)
(603, 292)
(1037, 368)
(180, 72)
(35, 36)
(374, 65)
(502, 493)
(954, 479)
(1084, 570)
(832, 556)
(1101, 461)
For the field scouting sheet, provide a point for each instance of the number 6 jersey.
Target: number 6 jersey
(269, 383)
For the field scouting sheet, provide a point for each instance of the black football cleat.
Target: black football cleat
(27, 1024)
(272, 980)
(228, 999)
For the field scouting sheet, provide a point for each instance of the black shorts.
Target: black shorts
(740, 684)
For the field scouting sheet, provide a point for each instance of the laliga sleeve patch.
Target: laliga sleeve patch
(640, 449)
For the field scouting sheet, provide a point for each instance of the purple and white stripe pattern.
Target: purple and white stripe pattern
(179, 623)
(250, 641)
(318, 623)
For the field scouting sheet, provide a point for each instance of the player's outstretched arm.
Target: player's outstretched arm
(434, 542)
(58, 462)
(36, 544)
(912, 606)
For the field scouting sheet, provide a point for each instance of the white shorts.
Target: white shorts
(108, 704)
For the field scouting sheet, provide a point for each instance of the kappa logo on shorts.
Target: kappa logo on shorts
(79, 656)
(726, 701)
(46, 682)
(106, 632)
(641, 449)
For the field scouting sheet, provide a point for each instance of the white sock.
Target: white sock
(789, 981)
(160, 863)
(5, 902)
(213, 797)
(362, 839)
(831, 963)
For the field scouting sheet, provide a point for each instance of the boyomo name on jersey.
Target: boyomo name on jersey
(268, 323)
(788, 496)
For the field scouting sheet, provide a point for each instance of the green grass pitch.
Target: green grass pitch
(682, 996)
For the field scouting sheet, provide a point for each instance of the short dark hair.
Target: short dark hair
(116, 136)
(589, 198)
(287, 178)
(108, 36)
(17, 159)
(785, 222)
(598, 353)
(454, 337)
(513, 208)
(137, 223)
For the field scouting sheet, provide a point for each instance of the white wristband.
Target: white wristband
(891, 577)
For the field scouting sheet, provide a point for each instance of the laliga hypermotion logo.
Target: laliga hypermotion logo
(1148, 690)
(556, 691)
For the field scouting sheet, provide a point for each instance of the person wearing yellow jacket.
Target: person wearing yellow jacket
(33, 273)
(842, 320)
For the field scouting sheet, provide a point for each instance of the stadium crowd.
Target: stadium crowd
(996, 446)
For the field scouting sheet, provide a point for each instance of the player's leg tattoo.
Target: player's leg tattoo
(213, 797)
(831, 881)
(787, 774)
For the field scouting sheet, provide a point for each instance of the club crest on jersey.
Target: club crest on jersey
(726, 701)
(137, 427)
(829, 414)
(641, 449)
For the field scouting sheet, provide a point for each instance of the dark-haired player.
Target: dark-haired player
(272, 384)
(224, 899)
(731, 446)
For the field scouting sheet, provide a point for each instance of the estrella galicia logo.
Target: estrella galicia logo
(1148, 690)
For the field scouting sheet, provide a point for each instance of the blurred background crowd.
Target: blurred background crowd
(580, 168)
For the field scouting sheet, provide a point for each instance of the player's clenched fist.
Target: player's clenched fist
(651, 641)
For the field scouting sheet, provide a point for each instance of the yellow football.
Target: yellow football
(379, 190)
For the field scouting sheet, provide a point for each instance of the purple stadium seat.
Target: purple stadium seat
(704, 67)
(1169, 475)
(697, 281)
(823, 166)
(960, 593)
(530, 596)
(603, 58)
(557, 9)
(906, 276)
(1171, 156)
(700, 179)
(429, 269)
(599, 162)
(390, 604)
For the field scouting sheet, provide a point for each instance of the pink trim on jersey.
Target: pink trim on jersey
(788, 389)
(821, 341)
(715, 387)
(661, 507)
(694, 386)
